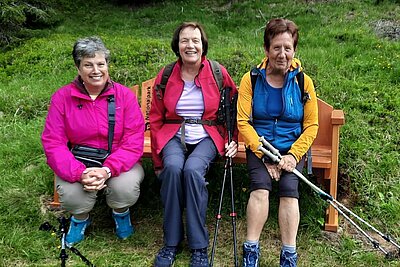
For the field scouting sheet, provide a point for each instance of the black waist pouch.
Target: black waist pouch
(90, 156)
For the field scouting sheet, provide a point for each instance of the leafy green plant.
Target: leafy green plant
(17, 17)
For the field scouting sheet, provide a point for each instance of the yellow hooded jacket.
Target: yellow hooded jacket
(310, 120)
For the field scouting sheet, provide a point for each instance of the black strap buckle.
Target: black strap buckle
(192, 121)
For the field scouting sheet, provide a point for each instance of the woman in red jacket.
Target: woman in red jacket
(185, 139)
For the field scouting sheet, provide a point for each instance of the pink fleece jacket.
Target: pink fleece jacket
(75, 118)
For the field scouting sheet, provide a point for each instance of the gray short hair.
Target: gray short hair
(88, 47)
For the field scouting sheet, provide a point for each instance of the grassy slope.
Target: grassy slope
(352, 69)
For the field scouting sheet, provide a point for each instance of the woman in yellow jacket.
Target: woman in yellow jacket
(271, 104)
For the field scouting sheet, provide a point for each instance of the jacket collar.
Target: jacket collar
(83, 93)
(295, 68)
(203, 62)
(296, 64)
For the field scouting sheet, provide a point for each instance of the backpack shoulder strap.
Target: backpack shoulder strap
(216, 70)
(160, 88)
(215, 67)
(253, 77)
(300, 81)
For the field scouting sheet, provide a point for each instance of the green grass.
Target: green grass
(353, 69)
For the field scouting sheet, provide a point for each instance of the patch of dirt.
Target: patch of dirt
(387, 29)
(344, 187)
(46, 207)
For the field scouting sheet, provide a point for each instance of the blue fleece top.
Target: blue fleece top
(282, 129)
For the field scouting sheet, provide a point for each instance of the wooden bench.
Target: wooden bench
(325, 149)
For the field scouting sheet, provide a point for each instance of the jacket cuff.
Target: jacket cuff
(294, 156)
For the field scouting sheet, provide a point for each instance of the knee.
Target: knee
(288, 201)
(172, 169)
(190, 173)
(75, 200)
(195, 167)
(194, 177)
(122, 196)
(171, 175)
(260, 195)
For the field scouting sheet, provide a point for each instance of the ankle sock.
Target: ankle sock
(80, 220)
(251, 242)
(289, 248)
(121, 213)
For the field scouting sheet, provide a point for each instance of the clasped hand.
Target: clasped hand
(93, 179)
(287, 163)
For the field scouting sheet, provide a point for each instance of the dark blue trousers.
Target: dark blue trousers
(183, 185)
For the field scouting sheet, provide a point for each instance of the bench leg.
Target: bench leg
(56, 202)
(331, 219)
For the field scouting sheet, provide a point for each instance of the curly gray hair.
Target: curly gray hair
(88, 47)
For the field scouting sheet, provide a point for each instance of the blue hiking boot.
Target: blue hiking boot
(76, 231)
(166, 256)
(288, 259)
(251, 255)
(199, 258)
(123, 225)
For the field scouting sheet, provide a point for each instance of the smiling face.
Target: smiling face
(94, 72)
(280, 52)
(190, 45)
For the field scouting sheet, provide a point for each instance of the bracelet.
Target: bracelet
(108, 171)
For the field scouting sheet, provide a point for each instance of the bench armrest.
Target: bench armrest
(337, 117)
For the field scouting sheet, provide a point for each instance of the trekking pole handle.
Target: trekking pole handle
(269, 154)
(277, 159)
(227, 112)
(270, 147)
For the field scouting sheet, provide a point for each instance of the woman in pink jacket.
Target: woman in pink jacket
(185, 138)
(78, 115)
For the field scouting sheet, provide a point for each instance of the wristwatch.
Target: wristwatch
(108, 171)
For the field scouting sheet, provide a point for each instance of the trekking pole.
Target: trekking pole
(46, 226)
(83, 258)
(275, 156)
(227, 168)
(63, 253)
(232, 120)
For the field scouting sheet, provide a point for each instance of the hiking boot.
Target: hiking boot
(166, 256)
(288, 259)
(199, 258)
(251, 255)
(76, 231)
(123, 225)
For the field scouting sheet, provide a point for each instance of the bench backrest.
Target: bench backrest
(327, 116)
(145, 102)
(324, 135)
